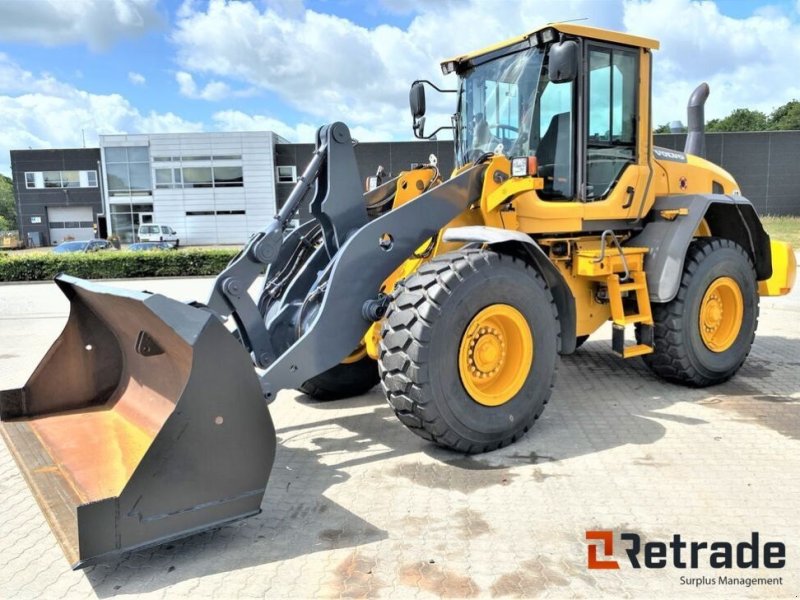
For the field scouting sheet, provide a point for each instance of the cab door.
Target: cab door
(616, 134)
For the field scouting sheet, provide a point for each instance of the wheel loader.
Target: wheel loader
(147, 419)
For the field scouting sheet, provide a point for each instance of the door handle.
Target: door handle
(631, 191)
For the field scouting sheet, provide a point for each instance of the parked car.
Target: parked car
(142, 246)
(152, 232)
(83, 246)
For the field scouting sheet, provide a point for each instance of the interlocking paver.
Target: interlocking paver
(359, 507)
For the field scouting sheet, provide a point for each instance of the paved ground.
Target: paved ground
(357, 506)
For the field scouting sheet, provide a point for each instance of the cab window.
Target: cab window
(612, 117)
(553, 141)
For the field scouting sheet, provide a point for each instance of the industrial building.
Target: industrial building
(57, 193)
(212, 188)
(217, 188)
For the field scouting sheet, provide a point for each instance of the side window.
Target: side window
(612, 116)
(552, 141)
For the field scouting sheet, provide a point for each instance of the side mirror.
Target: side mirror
(416, 99)
(563, 64)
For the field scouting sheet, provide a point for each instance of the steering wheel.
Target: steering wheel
(503, 126)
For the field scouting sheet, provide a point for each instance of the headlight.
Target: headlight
(549, 35)
(523, 166)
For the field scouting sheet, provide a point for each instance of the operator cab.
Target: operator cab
(532, 96)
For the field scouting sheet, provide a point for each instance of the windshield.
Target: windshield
(70, 247)
(496, 103)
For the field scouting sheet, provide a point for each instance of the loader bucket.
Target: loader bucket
(144, 422)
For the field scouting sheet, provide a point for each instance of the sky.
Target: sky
(73, 69)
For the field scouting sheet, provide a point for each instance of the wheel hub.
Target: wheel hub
(721, 312)
(495, 355)
(486, 352)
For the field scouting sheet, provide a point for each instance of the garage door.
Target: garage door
(70, 222)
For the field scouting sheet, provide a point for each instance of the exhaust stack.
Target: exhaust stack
(696, 122)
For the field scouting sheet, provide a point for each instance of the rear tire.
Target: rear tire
(682, 353)
(424, 335)
(343, 381)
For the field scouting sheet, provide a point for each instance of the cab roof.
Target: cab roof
(584, 31)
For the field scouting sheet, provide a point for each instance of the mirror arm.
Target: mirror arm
(430, 135)
(434, 86)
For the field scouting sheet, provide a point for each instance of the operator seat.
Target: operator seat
(554, 155)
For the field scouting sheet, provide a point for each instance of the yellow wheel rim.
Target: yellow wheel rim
(496, 354)
(721, 314)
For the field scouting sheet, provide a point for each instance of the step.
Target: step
(636, 350)
(635, 318)
(631, 286)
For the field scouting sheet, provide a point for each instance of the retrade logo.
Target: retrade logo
(681, 554)
(606, 546)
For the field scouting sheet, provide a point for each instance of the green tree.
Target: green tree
(786, 117)
(8, 208)
(662, 128)
(741, 119)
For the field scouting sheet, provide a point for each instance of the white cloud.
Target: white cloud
(328, 68)
(96, 23)
(748, 63)
(213, 91)
(234, 120)
(38, 111)
(136, 78)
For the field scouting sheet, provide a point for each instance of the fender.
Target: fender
(509, 242)
(730, 217)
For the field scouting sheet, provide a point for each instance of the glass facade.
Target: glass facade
(125, 220)
(128, 171)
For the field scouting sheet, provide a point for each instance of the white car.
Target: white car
(157, 233)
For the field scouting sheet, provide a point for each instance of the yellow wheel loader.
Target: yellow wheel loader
(147, 420)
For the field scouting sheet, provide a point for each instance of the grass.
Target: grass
(786, 229)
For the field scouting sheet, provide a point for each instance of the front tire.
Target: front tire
(456, 335)
(703, 336)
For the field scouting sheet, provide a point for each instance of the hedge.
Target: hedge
(113, 265)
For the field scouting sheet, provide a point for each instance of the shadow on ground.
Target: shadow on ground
(599, 403)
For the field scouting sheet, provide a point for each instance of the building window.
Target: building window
(52, 179)
(168, 178)
(128, 170)
(228, 177)
(60, 179)
(286, 174)
(211, 213)
(199, 177)
(70, 179)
